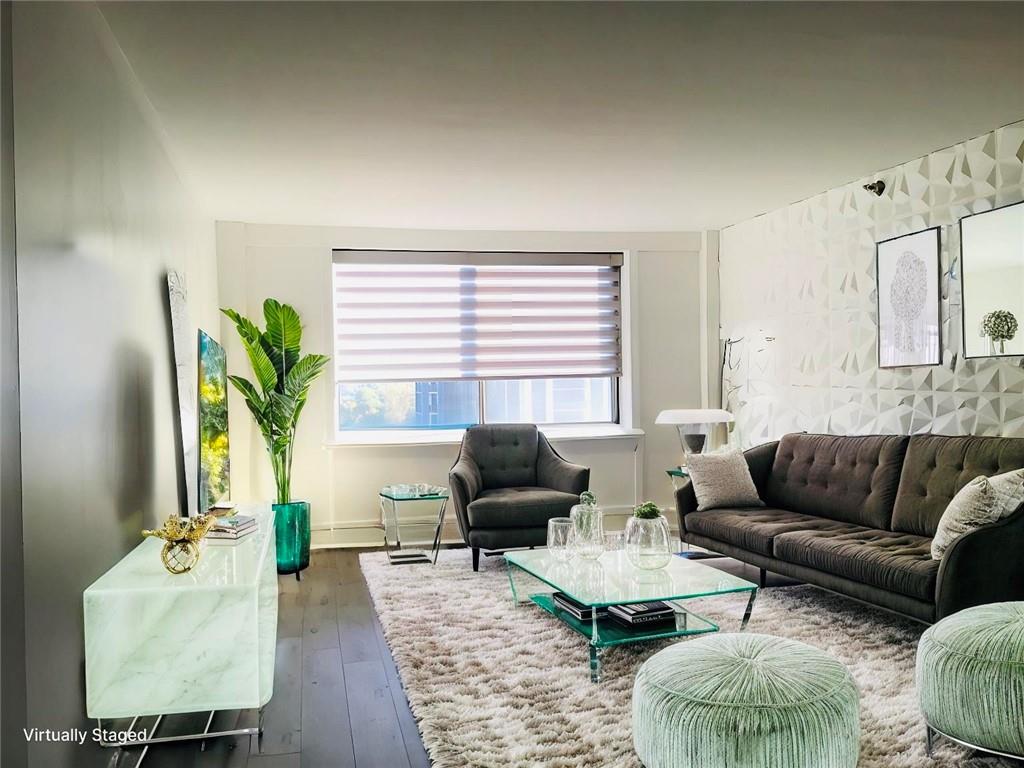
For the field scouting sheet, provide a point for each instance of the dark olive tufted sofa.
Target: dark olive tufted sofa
(507, 483)
(856, 515)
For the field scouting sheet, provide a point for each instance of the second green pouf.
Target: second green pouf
(970, 677)
(292, 534)
(745, 701)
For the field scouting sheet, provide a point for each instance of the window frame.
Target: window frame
(481, 410)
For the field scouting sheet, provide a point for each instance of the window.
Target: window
(446, 340)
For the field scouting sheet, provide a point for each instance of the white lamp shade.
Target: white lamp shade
(694, 416)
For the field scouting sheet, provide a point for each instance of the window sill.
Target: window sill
(406, 437)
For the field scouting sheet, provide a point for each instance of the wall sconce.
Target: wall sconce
(878, 187)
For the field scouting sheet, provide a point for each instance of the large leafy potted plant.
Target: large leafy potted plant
(276, 400)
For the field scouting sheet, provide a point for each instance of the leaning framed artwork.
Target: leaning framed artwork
(909, 305)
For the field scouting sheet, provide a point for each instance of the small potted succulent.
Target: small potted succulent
(1000, 326)
(647, 538)
(587, 527)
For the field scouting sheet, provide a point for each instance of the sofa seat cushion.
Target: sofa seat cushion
(519, 507)
(897, 562)
(754, 528)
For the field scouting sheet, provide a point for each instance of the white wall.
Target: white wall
(101, 216)
(799, 309)
(293, 264)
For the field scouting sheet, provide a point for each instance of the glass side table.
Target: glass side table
(677, 475)
(390, 497)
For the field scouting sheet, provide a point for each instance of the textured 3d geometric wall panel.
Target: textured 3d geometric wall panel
(800, 320)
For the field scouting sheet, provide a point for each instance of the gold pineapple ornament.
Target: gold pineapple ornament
(181, 536)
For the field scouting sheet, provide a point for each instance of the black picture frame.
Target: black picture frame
(963, 286)
(937, 265)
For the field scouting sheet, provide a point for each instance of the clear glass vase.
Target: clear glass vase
(560, 538)
(648, 542)
(587, 531)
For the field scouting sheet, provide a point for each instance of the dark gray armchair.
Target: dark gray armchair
(507, 483)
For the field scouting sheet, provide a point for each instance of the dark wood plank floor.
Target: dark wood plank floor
(338, 701)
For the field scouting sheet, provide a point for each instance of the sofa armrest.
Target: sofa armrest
(982, 566)
(558, 474)
(464, 483)
(686, 501)
(759, 461)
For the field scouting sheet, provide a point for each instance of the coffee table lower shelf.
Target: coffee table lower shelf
(609, 633)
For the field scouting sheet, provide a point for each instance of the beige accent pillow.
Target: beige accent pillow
(722, 480)
(981, 502)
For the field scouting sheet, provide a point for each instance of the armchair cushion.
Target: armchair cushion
(505, 454)
(519, 507)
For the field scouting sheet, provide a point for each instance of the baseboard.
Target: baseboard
(367, 532)
(617, 510)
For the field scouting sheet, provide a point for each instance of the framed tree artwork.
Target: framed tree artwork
(909, 323)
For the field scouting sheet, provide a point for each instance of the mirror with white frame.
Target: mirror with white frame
(992, 274)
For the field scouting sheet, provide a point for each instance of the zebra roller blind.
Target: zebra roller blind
(414, 316)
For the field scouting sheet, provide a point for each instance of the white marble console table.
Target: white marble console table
(161, 644)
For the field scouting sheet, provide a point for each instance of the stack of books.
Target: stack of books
(575, 608)
(651, 615)
(229, 530)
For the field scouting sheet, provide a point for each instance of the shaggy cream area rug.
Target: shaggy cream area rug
(504, 687)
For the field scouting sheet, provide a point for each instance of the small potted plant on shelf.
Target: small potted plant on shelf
(647, 538)
(276, 400)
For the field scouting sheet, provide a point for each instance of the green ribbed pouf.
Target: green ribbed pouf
(970, 676)
(745, 701)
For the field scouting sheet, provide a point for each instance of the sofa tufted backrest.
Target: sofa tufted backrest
(937, 467)
(505, 454)
(852, 479)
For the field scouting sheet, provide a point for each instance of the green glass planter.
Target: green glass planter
(291, 524)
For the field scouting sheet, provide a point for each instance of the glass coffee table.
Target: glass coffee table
(612, 580)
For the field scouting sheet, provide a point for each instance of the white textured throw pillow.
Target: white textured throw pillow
(722, 480)
(981, 502)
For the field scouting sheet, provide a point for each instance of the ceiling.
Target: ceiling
(561, 116)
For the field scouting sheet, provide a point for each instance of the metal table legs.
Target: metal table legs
(202, 736)
(750, 609)
(437, 529)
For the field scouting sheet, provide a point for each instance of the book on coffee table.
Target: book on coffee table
(575, 608)
(643, 614)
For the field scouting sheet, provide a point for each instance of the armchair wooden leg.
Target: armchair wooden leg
(476, 558)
